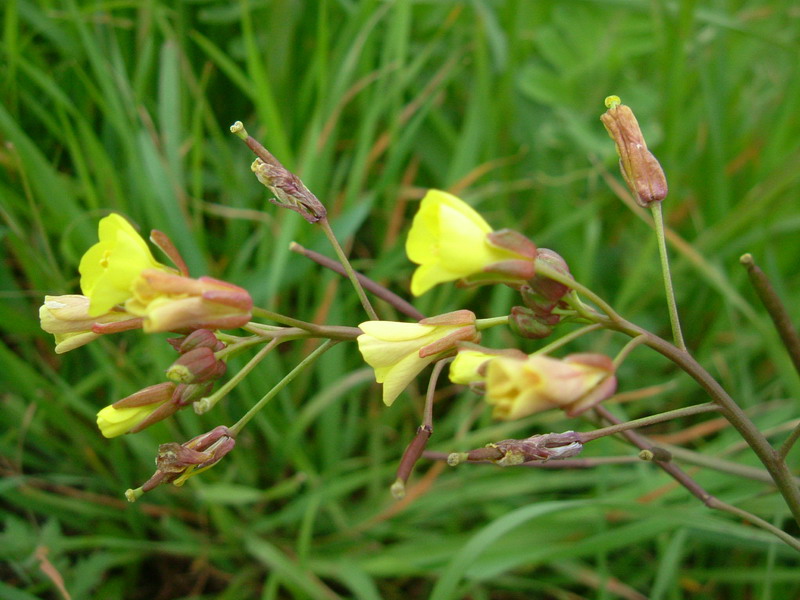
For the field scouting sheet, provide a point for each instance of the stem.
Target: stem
(771, 459)
(787, 445)
(550, 273)
(566, 339)
(776, 309)
(672, 306)
(334, 332)
(415, 449)
(755, 520)
(627, 349)
(695, 489)
(777, 468)
(646, 421)
(482, 324)
(371, 286)
(351, 274)
(719, 464)
(290, 376)
(206, 404)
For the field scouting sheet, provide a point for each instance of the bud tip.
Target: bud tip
(456, 458)
(612, 101)
(239, 130)
(398, 489)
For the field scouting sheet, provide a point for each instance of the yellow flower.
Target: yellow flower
(137, 411)
(67, 318)
(109, 268)
(448, 239)
(466, 368)
(399, 351)
(170, 302)
(521, 387)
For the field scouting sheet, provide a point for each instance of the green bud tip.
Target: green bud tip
(133, 495)
(180, 374)
(456, 458)
(646, 455)
(398, 489)
(202, 406)
(239, 130)
(610, 101)
(746, 259)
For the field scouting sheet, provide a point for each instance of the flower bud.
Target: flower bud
(137, 411)
(640, 169)
(289, 190)
(175, 463)
(186, 393)
(197, 366)
(199, 338)
(539, 448)
(67, 318)
(170, 302)
(526, 323)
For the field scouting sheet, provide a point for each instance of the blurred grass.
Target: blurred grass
(125, 106)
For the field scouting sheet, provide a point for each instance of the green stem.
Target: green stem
(482, 324)
(672, 306)
(776, 309)
(787, 445)
(206, 404)
(650, 420)
(334, 332)
(758, 521)
(290, 376)
(769, 457)
(351, 274)
(719, 464)
(628, 348)
(550, 273)
(566, 339)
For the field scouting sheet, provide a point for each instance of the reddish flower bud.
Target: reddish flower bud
(639, 167)
(526, 323)
(200, 338)
(196, 366)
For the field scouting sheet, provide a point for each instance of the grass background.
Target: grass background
(124, 106)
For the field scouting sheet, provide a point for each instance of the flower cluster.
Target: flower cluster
(124, 287)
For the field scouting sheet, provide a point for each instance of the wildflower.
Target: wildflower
(175, 463)
(469, 366)
(170, 302)
(399, 351)
(138, 411)
(67, 318)
(521, 387)
(109, 268)
(450, 241)
(640, 169)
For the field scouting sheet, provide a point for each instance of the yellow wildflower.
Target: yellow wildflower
(67, 318)
(519, 387)
(450, 241)
(399, 351)
(109, 268)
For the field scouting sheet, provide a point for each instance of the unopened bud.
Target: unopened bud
(526, 323)
(289, 191)
(197, 366)
(200, 338)
(640, 169)
(185, 394)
